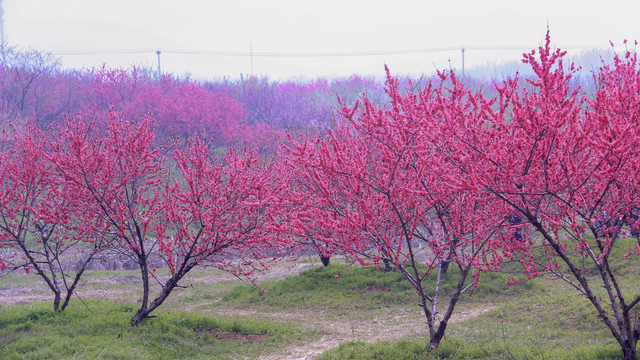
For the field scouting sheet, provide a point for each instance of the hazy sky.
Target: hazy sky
(96, 30)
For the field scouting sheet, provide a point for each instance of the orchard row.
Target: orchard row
(535, 172)
(252, 110)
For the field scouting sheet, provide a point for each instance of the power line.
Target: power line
(105, 52)
(311, 54)
(252, 53)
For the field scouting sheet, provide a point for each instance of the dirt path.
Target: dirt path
(396, 324)
(406, 323)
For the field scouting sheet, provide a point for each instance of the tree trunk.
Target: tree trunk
(434, 342)
(142, 312)
(164, 293)
(72, 288)
(444, 267)
(437, 336)
(326, 259)
(387, 265)
(629, 352)
(56, 302)
(629, 348)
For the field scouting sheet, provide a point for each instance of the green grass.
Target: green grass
(103, 331)
(319, 287)
(459, 349)
(545, 319)
(20, 280)
(621, 266)
(530, 325)
(362, 288)
(537, 319)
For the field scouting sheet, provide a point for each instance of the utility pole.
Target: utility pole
(251, 56)
(3, 45)
(463, 61)
(157, 52)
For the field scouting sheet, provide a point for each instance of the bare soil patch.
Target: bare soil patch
(245, 338)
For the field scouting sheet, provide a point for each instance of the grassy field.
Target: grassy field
(100, 329)
(300, 310)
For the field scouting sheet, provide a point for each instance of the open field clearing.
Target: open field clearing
(299, 311)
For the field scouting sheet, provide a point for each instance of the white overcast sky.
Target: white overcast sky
(303, 27)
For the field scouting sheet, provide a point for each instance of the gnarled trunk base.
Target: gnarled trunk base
(326, 260)
(629, 353)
